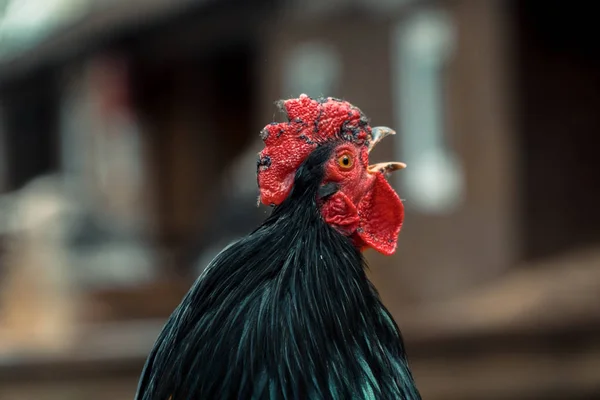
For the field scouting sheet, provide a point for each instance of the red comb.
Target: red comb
(287, 144)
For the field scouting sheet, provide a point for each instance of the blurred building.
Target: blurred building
(143, 116)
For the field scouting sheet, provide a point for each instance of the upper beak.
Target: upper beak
(378, 133)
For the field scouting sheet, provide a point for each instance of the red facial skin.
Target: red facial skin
(365, 207)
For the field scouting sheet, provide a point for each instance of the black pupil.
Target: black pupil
(345, 161)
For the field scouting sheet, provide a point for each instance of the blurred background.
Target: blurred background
(128, 141)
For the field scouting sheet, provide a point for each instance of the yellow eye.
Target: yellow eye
(345, 161)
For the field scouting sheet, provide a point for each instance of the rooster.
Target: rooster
(288, 312)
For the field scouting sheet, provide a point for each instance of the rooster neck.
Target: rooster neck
(286, 312)
(314, 268)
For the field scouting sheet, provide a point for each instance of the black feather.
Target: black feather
(284, 313)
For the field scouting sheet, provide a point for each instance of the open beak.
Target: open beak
(378, 133)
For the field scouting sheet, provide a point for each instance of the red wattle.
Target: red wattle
(381, 214)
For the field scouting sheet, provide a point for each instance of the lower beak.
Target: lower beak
(386, 168)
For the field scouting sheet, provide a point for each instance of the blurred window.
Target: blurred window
(422, 45)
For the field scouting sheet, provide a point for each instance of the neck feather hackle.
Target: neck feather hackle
(285, 313)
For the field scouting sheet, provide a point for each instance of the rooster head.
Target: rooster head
(364, 206)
